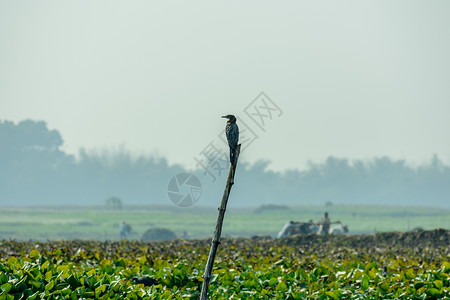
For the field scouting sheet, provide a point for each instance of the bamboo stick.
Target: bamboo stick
(218, 231)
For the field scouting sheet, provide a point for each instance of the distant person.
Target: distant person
(326, 223)
(123, 230)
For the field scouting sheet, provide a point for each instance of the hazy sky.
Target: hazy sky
(354, 79)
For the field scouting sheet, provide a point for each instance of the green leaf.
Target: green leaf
(3, 278)
(73, 281)
(372, 273)
(446, 266)
(419, 284)
(45, 265)
(91, 281)
(370, 266)
(20, 286)
(35, 284)
(273, 281)
(6, 297)
(385, 284)
(62, 285)
(105, 262)
(6, 287)
(48, 275)
(33, 296)
(142, 260)
(34, 253)
(433, 292)
(49, 286)
(332, 294)
(127, 273)
(438, 284)
(364, 282)
(281, 287)
(279, 262)
(12, 260)
(100, 289)
(357, 274)
(410, 274)
(67, 291)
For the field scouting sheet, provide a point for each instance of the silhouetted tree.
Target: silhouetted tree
(114, 202)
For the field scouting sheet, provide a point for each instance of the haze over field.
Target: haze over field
(35, 171)
(355, 80)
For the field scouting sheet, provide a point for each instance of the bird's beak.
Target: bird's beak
(224, 117)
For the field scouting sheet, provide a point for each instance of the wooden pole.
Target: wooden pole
(216, 239)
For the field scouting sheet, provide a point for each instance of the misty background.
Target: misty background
(355, 80)
(35, 171)
(112, 99)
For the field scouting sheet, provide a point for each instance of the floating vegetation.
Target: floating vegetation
(388, 266)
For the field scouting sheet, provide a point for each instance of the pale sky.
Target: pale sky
(354, 79)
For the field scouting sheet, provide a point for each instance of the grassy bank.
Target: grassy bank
(101, 223)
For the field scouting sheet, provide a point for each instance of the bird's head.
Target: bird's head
(231, 118)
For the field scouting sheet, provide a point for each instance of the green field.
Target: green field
(101, 223)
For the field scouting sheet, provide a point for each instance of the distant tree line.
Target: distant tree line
(35, 171)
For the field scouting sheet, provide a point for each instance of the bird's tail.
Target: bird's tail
(232, 155)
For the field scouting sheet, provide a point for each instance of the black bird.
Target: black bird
(232, 132)
(384, 272)
(147, 281)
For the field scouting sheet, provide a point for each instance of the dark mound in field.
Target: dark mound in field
(158, 234)
(411, 239)
(270, 207)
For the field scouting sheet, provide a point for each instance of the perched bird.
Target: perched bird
(147, 281)
(232, 132)
(384, 272)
